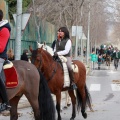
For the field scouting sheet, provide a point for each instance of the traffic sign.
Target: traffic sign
(77, 31)
(25, 18)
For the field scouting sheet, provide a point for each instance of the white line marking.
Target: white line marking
(115, 87)
(95, 87)
(111, 71)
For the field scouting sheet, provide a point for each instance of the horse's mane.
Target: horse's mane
(44, 53)
(47, 53)
(47, 48)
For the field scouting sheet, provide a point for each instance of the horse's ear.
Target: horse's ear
(30, 48)
(41, 48)
(39, 45)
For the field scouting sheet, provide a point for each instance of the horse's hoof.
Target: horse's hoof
(59, 118)
(71, 118)
(65, 107)
(68, 104)
(84, 115)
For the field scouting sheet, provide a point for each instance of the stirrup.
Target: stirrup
(4, 106)
(73, 86)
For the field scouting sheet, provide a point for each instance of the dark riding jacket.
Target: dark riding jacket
(60, 45)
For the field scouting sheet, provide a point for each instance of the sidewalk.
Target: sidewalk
(23, 103)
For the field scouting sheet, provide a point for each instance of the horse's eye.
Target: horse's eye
(38, 58)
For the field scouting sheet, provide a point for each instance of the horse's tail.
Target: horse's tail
(79, 99)
(88, 98)
(46, 104)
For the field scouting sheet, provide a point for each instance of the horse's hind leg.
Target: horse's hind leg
(13, 111)
(83, 107)
(34, 104)
(81, 98)
(67, 100)
(73, 99)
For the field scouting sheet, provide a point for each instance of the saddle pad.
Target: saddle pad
(66, 76)
(11, 77)
(74, 66)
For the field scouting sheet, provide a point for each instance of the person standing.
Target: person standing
(24, 55)
(116, 57)
(99, 61)
(84, 51)
(62, 47)
(4, 38)
(10, 54)
(93, 59)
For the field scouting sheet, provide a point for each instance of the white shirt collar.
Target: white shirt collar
(3, 22)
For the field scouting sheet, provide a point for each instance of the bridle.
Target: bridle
(39, 59)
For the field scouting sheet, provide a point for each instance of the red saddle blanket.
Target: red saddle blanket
(11, 77)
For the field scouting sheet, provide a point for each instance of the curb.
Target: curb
(24, 103)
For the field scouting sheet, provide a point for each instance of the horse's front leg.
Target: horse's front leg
(58, 101)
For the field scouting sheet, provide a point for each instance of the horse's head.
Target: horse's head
(40, 56)
(36, 57)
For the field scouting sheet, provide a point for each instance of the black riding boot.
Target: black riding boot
(3, 94)
(72, 84)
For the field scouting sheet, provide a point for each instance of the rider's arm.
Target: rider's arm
(54, 48)
(67, 48)
(4, 36)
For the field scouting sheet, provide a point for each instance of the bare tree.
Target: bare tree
(75, 12)
(59, 12)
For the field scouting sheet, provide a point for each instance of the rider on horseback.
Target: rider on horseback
(62, 47)
(4, 37)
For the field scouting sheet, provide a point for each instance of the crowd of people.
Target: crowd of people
(107, 53)
(24, 56)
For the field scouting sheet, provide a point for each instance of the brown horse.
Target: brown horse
(53, 72)
(34, 86)
(108, 60)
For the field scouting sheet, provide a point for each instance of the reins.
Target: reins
(40, 66)
(53, 72)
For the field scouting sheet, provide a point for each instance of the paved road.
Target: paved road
(104, 87)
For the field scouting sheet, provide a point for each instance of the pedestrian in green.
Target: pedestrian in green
(93, 58)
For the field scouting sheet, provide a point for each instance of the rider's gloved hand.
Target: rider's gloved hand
(55, 54)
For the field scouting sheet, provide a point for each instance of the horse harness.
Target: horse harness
(39, 57)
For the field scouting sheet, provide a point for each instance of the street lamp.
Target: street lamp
(88, 37)
(18, 30)
(83, 44)
(21, 21)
